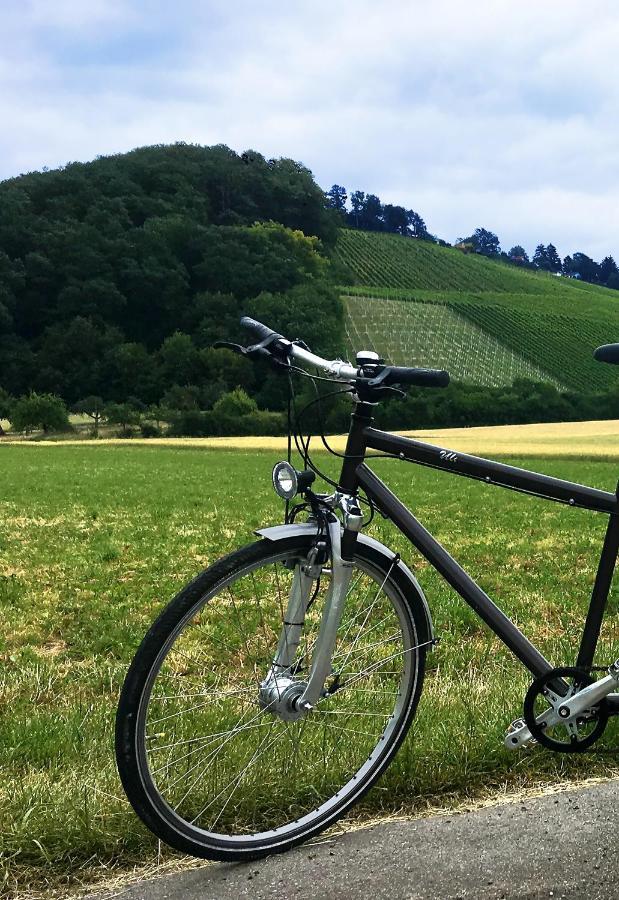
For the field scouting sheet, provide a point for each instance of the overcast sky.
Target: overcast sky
(494, 113)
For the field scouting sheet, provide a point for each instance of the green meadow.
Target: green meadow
(95, 539)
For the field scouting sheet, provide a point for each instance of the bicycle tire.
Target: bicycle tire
(141, 780)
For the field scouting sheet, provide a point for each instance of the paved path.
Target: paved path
(561, 846)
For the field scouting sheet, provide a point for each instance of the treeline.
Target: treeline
(545, 258)
(462, 404)
(235, 412)
(368, 213)
(116, 276)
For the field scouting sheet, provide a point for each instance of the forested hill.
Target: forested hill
(117, 275)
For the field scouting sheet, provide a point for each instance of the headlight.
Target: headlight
(285, 480)
(288, 482)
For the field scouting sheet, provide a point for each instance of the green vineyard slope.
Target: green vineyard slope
(488, 322)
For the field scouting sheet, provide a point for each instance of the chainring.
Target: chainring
(572, 735)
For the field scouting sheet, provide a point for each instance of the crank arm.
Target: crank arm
(520, 736)
(590, 695)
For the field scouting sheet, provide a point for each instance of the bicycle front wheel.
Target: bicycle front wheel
(214, 771)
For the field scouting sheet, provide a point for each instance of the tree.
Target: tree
(416, 224)
(395, 219)
(44, 411)
(518, 255)
(484, 242)
(371, 217)
(357, 200)
(608, 271)
(266, 256)
(179, 359)
(71, 357)
(132, 369)
(336, 198)
(553, 258)
(102, 262)
(6, 403)
(93, 408)
(540, 258)
(123, 414)
(586, 267)
(181, 398)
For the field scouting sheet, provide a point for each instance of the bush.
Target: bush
(123, 414)
(149, 430)
(235, 404)
(193, 423)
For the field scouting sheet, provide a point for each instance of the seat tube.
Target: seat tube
(599, 596)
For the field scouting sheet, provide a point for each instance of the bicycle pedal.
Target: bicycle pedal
(518, 735)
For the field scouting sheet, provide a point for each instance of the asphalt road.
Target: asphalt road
(561, 846)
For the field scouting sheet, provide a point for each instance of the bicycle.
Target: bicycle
(276, 687)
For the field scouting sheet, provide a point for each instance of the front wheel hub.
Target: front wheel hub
(279, 695)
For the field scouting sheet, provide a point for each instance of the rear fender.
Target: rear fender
(405, 577)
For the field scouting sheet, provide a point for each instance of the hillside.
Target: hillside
(487, 322)
(117, 275)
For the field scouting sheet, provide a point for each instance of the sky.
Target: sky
(495, 114)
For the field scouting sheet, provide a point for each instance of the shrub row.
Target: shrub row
(193, 423)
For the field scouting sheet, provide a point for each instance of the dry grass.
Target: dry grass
(599, 439)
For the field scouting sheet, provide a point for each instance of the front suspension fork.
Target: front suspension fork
(303, 579)
(341, 573)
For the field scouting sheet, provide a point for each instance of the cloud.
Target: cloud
(474, 114)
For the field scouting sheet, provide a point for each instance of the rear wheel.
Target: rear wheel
(215, 771)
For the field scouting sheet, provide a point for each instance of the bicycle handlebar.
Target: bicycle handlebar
(262, 332)
(374, 376)
(419, 377)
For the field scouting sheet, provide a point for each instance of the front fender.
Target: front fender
(277, 532)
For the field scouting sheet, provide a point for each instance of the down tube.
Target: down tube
(453, 573)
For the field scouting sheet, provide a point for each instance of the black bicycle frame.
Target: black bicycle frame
(356, 474)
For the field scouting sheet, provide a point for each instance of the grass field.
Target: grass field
(419, 303)
(95, 539)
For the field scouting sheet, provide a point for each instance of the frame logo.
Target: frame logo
(448, 455)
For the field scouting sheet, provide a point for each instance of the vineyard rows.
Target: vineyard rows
(555, 347)
(434, 335)
(416, 302)
(397, 263)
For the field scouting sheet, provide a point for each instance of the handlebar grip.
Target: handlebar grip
(420, 377)
(259, 330)
(608, 353)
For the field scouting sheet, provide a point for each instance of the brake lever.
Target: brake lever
(388, 389)
(373, 386)
(255, 351)
(228, 345)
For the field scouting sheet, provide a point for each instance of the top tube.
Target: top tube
(493, 472)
